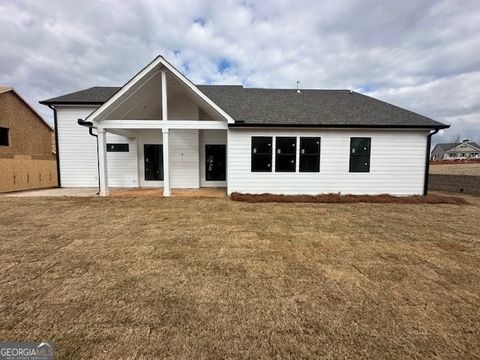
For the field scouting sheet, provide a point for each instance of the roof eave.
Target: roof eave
(365, 126)
(54, 102)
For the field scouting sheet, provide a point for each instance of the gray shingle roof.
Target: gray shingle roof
(447, 146)
(94, 95)
(286, 107)
(450, 146)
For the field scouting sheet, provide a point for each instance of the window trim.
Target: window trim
(353, 156)
(256, 153)
(318, 154)
(7, 137)
(277, 155)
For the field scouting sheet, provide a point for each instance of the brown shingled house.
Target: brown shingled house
(26, 157)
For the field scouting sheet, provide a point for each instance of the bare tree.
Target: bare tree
(455, 138)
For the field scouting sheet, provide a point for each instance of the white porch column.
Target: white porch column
(166, 153)
(166, 164)
(164, 97)
(102, 161)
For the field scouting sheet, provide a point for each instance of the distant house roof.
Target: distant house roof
(447, 146)
(285, 107)
(4, 89)
(451, 146)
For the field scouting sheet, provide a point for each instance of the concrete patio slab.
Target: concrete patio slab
(129, 192)
(76, 192)
(158, 192)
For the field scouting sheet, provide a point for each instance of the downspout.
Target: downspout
(427, 162)
(57, 155)
(90, 131)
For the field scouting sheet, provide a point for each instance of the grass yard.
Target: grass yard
(145, 278)
(472, 169)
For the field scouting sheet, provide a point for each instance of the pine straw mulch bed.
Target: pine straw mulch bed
(456, 162)
(342, 199)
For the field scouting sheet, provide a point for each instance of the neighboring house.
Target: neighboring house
(161, 130)
(26, 157)
(456, 151)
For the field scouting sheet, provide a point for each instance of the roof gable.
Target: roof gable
(145, 74)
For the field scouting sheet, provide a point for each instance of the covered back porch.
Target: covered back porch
(162, 159)
(160, 131)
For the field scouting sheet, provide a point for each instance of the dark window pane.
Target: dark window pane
(261, 162)
(262, 145)
(360, 163)
(261, 154)
(309, 163)
(285, 154)
(309, 154)
(117, 148)
(360, 146)
(286, 145)
(285, 163)
(360, 154)
(4, 136)
(310, 145)
(153, 156)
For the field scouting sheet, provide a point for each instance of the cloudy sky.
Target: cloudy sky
(422, 55)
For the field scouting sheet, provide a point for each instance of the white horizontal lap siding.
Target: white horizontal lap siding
(397, 164)
(184, 159)
(210, 137)
(122, 166)
(77, 150)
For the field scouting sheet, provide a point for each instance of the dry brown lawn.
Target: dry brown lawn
(145, 278)
(472, 169)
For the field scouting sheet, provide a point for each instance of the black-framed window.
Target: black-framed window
(309, 154)
(261, 154)
(285, 154)
(117, 148)
(4, 140)
(360, 154)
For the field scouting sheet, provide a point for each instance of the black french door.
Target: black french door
(215, 162)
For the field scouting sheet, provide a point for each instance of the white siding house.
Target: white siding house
(399, 172)
(160, 130)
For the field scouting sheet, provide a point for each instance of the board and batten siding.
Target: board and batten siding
(397, 164)
(78, 153)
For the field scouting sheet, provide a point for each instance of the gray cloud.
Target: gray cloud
(421, 55)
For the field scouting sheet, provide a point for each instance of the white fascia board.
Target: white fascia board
(94, 117)
(161, 124)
